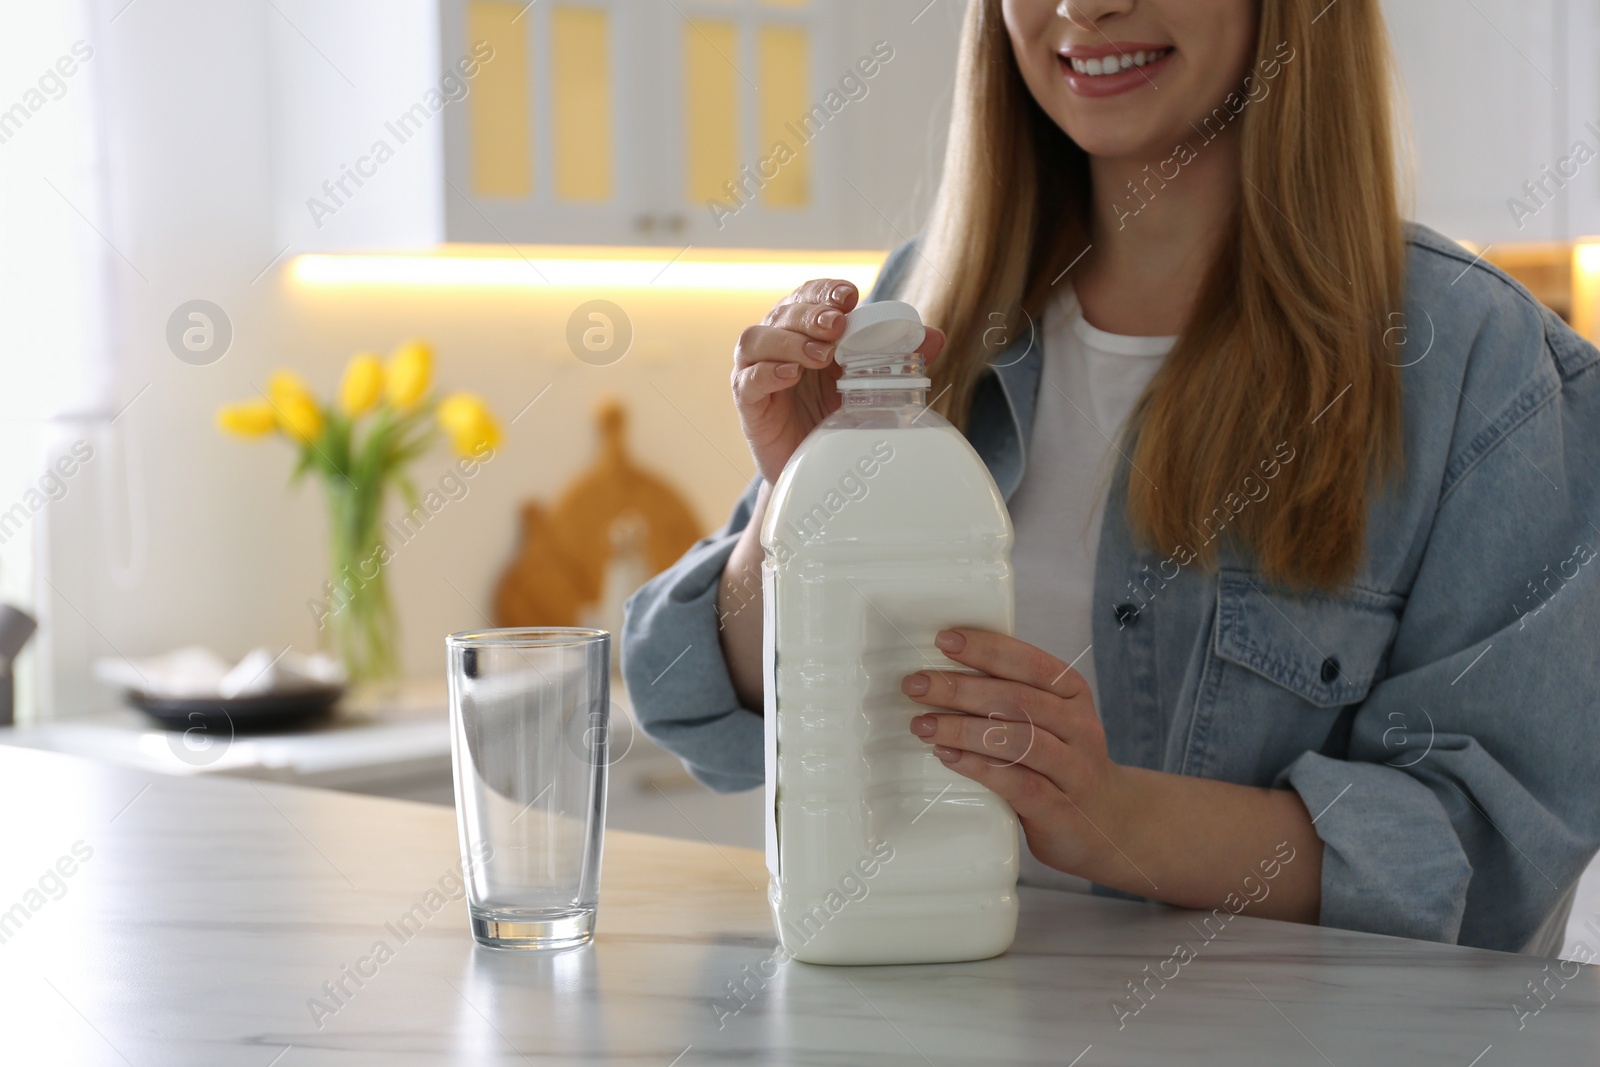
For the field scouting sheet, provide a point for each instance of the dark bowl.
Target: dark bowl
(225, 716)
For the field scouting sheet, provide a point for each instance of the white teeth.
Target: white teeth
(1117, 64)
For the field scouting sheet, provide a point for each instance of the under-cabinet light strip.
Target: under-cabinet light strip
(510, 271)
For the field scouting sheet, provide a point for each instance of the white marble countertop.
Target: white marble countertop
(148, 919)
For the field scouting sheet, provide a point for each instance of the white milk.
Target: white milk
(884, 528)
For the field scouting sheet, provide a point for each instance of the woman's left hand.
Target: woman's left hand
(1026, 728)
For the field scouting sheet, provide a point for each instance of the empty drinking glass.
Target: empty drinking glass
(529, 715)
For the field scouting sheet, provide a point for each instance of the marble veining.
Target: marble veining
(212, 917)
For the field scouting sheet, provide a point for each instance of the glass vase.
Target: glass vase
(361, 614)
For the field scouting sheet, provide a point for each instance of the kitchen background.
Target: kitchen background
(159, 152)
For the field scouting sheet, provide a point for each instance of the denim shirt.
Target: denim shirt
(1439, 717)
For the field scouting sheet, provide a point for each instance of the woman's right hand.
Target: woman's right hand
(784, 371)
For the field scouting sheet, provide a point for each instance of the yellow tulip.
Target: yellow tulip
(410, 368)
(292, 402)
(252, 418)
(362, 384)
(287, 385)
(466, 418)
(299, 416)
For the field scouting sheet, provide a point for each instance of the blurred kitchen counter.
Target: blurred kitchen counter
(395, 742)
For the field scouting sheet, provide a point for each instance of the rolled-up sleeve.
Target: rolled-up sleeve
(1468, 807)
(677, 677)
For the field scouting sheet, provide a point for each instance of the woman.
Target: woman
(1303, 496)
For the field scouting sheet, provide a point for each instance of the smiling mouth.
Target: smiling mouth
(1115, 64)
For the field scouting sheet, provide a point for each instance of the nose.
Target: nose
(1090, 13)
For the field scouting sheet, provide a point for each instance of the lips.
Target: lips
(1113, 68)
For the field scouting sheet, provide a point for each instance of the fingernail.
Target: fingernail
(788, 370)
(915, 685)
(949, 755)
(816, 350)
(827, 319)
(842, 292)
(923, 726)
(949, 641)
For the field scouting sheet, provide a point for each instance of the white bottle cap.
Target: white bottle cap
(880, 334)
(882, 328)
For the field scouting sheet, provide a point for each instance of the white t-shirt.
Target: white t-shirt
(1089, 384)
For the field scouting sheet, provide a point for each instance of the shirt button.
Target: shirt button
(1126, 614)
(1330, 669)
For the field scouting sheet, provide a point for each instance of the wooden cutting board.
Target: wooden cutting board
(559, 570)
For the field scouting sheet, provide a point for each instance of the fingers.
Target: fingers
(820, 322)
(1006, 657)
(1002, 741)
(753, 384)
(835, 291)
(772, 344)
(802, 329)
(800, 334)
(996, 698)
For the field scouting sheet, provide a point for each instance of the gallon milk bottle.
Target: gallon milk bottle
(884, 528)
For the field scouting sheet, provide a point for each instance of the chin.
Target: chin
(1110, 130)
(1114, 140)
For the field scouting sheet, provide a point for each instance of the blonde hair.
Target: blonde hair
(1292, 317)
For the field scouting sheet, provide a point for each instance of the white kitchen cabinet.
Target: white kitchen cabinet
(1497, 90)
(607, 121)
(1499, 93)
(732, 123)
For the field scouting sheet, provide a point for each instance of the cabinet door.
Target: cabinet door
(670, 122)
(744, 90)
(544, 150)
